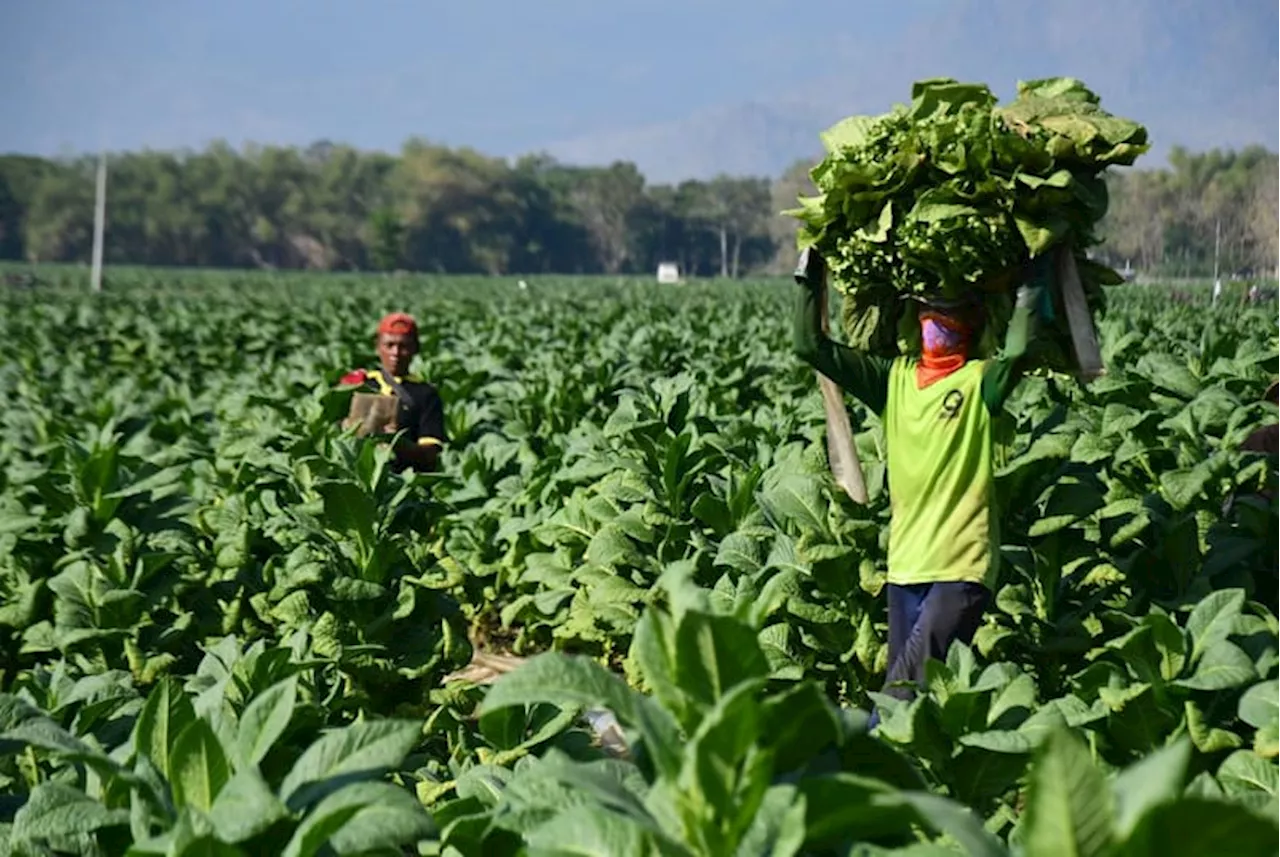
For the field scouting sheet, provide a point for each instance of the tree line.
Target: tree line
(439, 209)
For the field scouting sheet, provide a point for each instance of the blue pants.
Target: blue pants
(924, 619)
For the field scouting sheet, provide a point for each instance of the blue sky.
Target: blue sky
(512, 76)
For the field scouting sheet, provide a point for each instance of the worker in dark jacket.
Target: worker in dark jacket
(419, 411)
(937, 412)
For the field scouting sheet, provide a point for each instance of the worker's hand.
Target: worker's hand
(1028, 297)
(811, 270)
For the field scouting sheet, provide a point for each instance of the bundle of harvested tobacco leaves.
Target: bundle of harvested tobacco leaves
(954, 193)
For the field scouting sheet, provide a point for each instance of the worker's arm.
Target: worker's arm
(863, 375)
(1034, 300)
(423, 452)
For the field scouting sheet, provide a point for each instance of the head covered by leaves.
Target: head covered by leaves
(953, 194)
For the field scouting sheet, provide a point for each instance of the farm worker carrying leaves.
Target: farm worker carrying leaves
(937, 412)
(396, 401)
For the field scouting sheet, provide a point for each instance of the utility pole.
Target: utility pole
(99, 216)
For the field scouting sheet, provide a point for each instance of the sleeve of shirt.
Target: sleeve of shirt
(864, 376)
(1004, 372)
(359, 376)
(431, 430)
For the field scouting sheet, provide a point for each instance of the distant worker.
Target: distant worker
(937, 410)
(418, 412)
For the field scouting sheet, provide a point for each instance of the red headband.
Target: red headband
(398, 324)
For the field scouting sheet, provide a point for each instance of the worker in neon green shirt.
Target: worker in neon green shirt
(937, 412)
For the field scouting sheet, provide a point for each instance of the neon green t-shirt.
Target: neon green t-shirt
(941, 481)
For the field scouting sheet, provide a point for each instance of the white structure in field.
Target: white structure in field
(668, 272)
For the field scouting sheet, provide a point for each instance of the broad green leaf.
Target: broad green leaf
(714, 654)
(360, 751)
(1224, 665)
(842, 807)
(361, 818)
(1266, 741)
(778, 828)
(1192, 827)
(54, 810)
(1148, 783)
(957, 822)
(847, 133)
(1213, 618)
(562, 680)
(1260, 704)
(264, 721)
(1069, 807)
(653, 649)
(588, 831)
(1245, 771)
(1206, 737)
(800, 722)
(797, 498)
(198, 767)
(723, 766)
(167, 713)
(245, 807)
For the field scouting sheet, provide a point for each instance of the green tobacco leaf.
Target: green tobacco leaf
(797, 497)
(714, 654)
(577, 681)
(245, 807)
(1192, 827)
(957, 822)
(564, 680)
(740, 552)
(1069, 807)
(589, 831)
(1213, 618)
(166, 714)
(264, 721)
(653, 649)
(198, 767)
(329, 816)
(778, 828)
(55, 811)
(800, 723)
(1182, 487)
(363, 818)
(359, 751)
(723, 766)
(1208, 738)
(842, 807)
(1154, 780)
(1166, 372)
(1266, 741)
(1244, 771)
(847, 133)
(1224, 665)
(1260, 708)
(44, 734)
(348, 509)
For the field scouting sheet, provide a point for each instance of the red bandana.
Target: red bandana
(398, 324)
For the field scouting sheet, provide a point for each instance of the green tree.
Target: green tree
(386, 245)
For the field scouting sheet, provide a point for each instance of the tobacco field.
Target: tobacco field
(225, 625)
